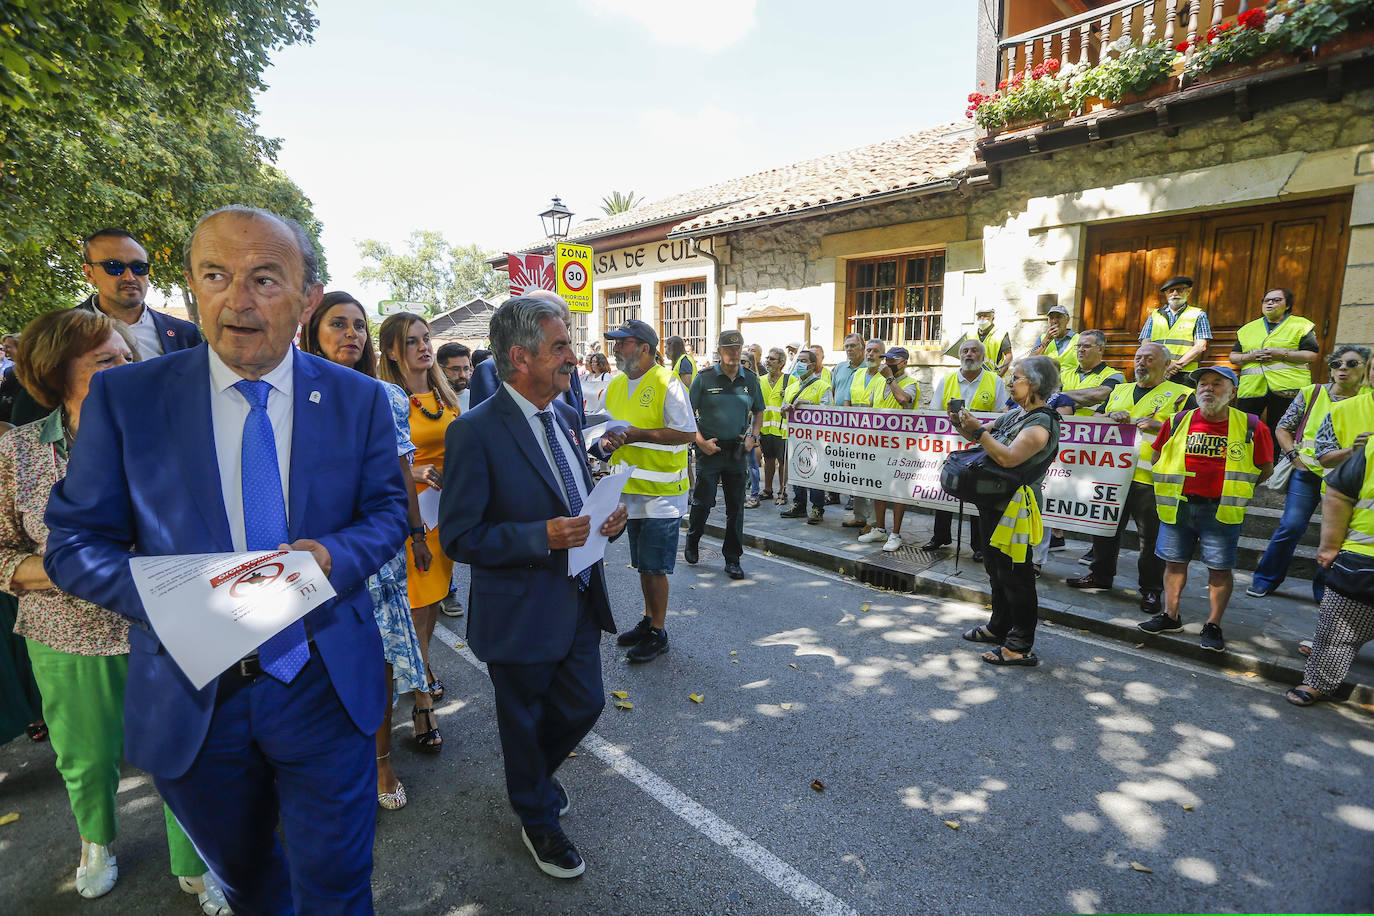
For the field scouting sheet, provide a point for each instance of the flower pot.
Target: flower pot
(1346, 41)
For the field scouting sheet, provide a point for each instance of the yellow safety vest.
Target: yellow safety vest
(1318, 399)
(1238, 482)
(1068, 359)
(992, 346)
(889, 400)
(1019, 527)
(660, 470)
(1258, 378)
(1074, 379)
(1359, 538)
(773, 395)
(863, 390)
(811, 392)
(691, 368)
(985, 398)
(1351, 417)
(1179, 338)
(1159, 403)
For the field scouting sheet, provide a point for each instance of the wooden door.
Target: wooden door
(1234, 256)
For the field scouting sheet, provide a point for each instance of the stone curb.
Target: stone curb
(1280, 669)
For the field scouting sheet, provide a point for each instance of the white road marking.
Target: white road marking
(787, 879)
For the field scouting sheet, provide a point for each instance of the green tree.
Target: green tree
(615, 202)
(136, 114)
(430, 270)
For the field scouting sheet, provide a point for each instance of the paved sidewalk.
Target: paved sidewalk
(1262, 634)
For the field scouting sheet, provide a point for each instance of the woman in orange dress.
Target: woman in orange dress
(408, 361)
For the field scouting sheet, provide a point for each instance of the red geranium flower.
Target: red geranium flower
(1183, 46)
(1002, 85)
(1052, 65)
(1251, 19)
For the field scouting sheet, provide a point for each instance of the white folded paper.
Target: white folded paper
(429, 507)
(211, 609)
(601, 502)
(592, 434)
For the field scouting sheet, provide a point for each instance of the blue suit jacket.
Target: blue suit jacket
(175, 333)
(143, 477)
(498, 492)
(485, 383)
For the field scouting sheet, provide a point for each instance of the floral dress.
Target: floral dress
(390, 603)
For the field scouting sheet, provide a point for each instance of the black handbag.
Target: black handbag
(971, 476)
(1352, 575)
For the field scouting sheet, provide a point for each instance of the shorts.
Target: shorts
(1197, 523)
(653, 544)
(774, 447)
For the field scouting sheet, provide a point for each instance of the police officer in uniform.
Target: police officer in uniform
(729, 407)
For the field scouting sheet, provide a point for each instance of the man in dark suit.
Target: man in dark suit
(116, 264)
(511, 508)
(485, 381)
(254, 443)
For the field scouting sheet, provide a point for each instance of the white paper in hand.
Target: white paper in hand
(211, 609)
(429, 507)
(601, 502)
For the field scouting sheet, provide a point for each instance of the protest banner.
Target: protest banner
(896, 455)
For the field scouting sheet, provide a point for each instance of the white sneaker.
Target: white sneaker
(877, 534)
(208, 893)
(98, 876)
(894, 542)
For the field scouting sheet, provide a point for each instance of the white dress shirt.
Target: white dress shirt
(574, 454)
(145, 335)
(228, 411)
(678, 415)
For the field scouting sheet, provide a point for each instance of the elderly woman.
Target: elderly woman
(1347, 554)
(79, 652)
(407, 361)
(1024, 439)
(338, 331)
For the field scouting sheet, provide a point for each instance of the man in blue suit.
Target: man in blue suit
(485, 382)
(511, 508)
(256, 445)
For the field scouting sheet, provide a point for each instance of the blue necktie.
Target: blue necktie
(264, 522)
(565, 471)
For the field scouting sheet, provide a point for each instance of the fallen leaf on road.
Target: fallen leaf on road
(694, 697)
(9, 818)
(734, 661)
(793, 666)
(1140, 645)
(459, 645)
(1251, 674)
(1142, 868)
(818, 785)
(785, 705)
(620, 694)
(863, 607)
(952, 825)
(1188, 807)
(734, 652)
(1098, 658)
(624, 704)
(572, 753)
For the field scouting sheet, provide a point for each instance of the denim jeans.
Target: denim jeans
(1304, 495)
(754, 473)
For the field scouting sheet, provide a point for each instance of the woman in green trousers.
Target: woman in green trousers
(79, 652)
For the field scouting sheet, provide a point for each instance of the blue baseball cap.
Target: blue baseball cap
(637, 329)
(897, 353)
(1223, 371)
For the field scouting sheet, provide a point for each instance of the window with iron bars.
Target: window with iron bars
(619, 306)
(682, 311)
(579, 333)
(898, 299)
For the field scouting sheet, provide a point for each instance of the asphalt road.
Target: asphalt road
(1065, 782)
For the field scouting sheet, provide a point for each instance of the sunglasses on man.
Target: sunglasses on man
(116, 268)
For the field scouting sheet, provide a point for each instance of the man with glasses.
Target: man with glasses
(116, 264)
(456, 362)
(1182, 329)
(1089, 381)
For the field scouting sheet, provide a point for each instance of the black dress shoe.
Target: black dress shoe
(832, 499)
(978, 556)
(1088, 584)
(732, 569)
(794, 512)
(554, 853)
(1151, 603)
(935, 544)
(635, 636)
(689, 553)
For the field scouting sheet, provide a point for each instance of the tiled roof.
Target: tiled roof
(469, 320)
(867, 171)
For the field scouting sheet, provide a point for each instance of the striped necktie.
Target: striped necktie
(565, 471)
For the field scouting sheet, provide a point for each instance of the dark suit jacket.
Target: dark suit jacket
(175, 333)
(485, 383)
(498, 492)
(143, 475)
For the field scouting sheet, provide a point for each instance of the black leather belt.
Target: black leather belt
(242, 673)
(1204, 500)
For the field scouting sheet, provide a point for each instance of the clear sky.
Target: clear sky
(467, 117)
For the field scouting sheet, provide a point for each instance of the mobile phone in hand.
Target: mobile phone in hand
(955, 405)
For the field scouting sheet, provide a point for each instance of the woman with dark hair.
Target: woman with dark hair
(1274, 354)
(407, 361)
(79, 652)
(594, 386)
(338, 331)
(1025, 440)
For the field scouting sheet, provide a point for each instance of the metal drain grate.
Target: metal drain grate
(705, 553)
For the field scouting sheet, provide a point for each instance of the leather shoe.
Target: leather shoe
(554, 853)
(935, 544)
(689, 553)
(1088, 584)
(1151, 603)
(732, 569)
(978, 556)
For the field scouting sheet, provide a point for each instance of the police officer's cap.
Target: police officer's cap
(730, 339)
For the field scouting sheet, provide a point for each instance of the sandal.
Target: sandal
(995, 657)
(37, 731)
(1300, 697)
(982, 634)
(429, 741)
(766, 494)
(392, 801)
(781, 500)
(436, 686)
(751, 503)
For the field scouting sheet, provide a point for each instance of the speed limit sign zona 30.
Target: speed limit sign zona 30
(573, 273)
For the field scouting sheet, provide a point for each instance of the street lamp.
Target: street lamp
(556, 220)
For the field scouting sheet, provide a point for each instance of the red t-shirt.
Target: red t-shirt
(1204, 454)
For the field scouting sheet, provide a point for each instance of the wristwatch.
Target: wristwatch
(417, 532)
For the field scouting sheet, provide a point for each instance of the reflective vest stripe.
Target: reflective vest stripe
(984, 398)
(1307, 448)
(1359, 538)
(1178, 338)
(657, 447)
(655, 476)
(1238, 480)
(773, 395)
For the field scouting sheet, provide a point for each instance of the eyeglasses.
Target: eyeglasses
(116, 268)
(1345, 364)
(1268, 299)
(1017, 378)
